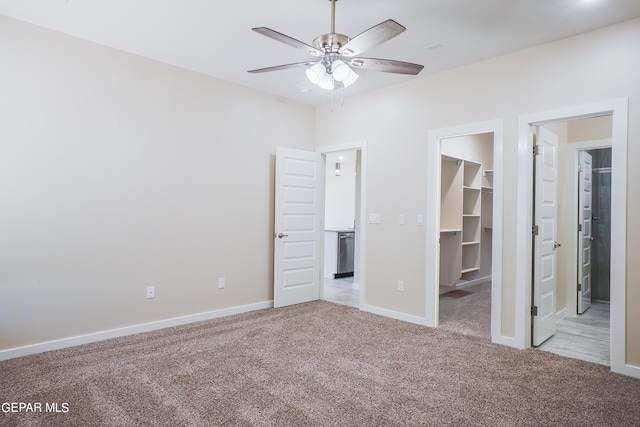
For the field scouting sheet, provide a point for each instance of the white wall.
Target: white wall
(118, 172)
(596, 66)
(340, 191)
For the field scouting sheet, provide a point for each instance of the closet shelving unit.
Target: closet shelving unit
(462, 219)
(487, 200)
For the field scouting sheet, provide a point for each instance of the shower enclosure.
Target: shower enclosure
(601, 228)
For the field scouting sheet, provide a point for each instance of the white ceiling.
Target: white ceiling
(215, 38)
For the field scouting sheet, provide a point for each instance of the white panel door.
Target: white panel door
(545, 244)
(299, 210)
(585, 235)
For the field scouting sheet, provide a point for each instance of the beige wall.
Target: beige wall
(596, 66)
(589, 129)
(118, 172)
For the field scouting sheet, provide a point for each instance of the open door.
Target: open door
(298, 229)
(545, 235)
(585, 236)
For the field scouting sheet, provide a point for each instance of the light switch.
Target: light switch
(420, 219)
(401, 219)
(374, 218)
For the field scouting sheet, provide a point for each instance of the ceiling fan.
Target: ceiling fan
(337, 54)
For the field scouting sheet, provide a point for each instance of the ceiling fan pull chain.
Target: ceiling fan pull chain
(332, 90)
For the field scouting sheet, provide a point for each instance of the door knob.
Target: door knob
(591, 238)
(280, 235)
(556, 245)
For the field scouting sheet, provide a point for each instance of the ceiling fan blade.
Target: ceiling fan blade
(287, 40)
(385, 65)
(372, 37)
(282, 67)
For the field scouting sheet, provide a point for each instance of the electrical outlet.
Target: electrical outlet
(221, 283)
(151, 292)
(400, 286)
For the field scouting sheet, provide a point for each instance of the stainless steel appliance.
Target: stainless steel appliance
(345, 253)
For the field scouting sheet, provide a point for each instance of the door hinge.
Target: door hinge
(535, 230)
(579, 227)
(579, 287)
(534, 310)
(536, 149)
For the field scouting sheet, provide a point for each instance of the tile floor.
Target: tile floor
(341, 291)
(584, 336)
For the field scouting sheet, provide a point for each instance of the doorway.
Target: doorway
(341, 182)
(579, 325)
(345, 203)
(618, 110)
(299, 224)
(434, 235)
(601, 226)
(466, 234)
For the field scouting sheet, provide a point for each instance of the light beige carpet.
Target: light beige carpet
(315, 364)
(467, 311)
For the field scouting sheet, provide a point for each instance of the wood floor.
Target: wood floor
(584, 336)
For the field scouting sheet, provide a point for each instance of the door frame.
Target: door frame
(361, 228)
(618, 109)
(572, 165)
(434, 152)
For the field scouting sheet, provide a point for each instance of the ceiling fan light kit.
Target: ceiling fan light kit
(337, 53)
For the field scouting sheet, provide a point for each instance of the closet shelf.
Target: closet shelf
(462, 215)
(488, 172)
(450, 230)
(487, 189)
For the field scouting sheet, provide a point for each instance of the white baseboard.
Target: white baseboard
(632, 371)
(129, 330)
(394, 315)
(464, 284)
(508, 341)
(560, 314)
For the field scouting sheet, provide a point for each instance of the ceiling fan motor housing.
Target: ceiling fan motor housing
(331, 42)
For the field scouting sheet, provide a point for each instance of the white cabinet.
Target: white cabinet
(463, 220)
(330, 254)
